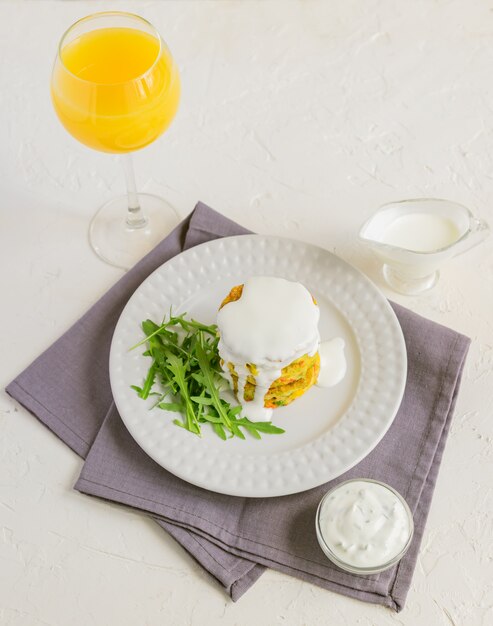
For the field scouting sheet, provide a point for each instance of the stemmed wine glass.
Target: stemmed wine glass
(115, 88)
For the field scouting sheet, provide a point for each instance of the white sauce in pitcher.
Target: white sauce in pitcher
(364, 524)
(273, 323)
(421, 232)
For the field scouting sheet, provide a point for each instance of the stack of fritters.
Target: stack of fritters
(295, 378)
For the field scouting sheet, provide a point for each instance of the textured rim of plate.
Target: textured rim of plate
(370, 414)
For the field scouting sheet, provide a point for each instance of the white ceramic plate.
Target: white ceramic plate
(327, 430)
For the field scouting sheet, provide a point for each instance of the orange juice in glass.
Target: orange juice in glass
(116, 88)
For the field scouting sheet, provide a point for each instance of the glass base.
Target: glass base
(122, 245)
(409, 286)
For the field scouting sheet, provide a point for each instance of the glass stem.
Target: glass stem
(135, 215)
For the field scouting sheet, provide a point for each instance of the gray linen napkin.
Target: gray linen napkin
(234, 538)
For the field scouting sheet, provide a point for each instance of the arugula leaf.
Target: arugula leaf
(149, 382)
(263, 427)
(253, 432)
(208, 379)
(219, 430)
(172, 406)
(186, 362)
(179, 371)
(202, 400)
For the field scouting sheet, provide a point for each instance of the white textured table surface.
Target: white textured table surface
(297, 119)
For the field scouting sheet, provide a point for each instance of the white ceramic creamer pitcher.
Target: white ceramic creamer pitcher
(413, 238)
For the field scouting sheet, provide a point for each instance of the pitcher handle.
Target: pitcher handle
(479, 230)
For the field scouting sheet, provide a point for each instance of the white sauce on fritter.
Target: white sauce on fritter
(333, 364)
(274, 323)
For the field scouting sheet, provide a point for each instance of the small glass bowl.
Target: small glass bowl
(354, 569)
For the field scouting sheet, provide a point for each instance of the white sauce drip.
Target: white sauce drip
(333, 364)
(273, 323)
(421, 232)
(364, 524)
